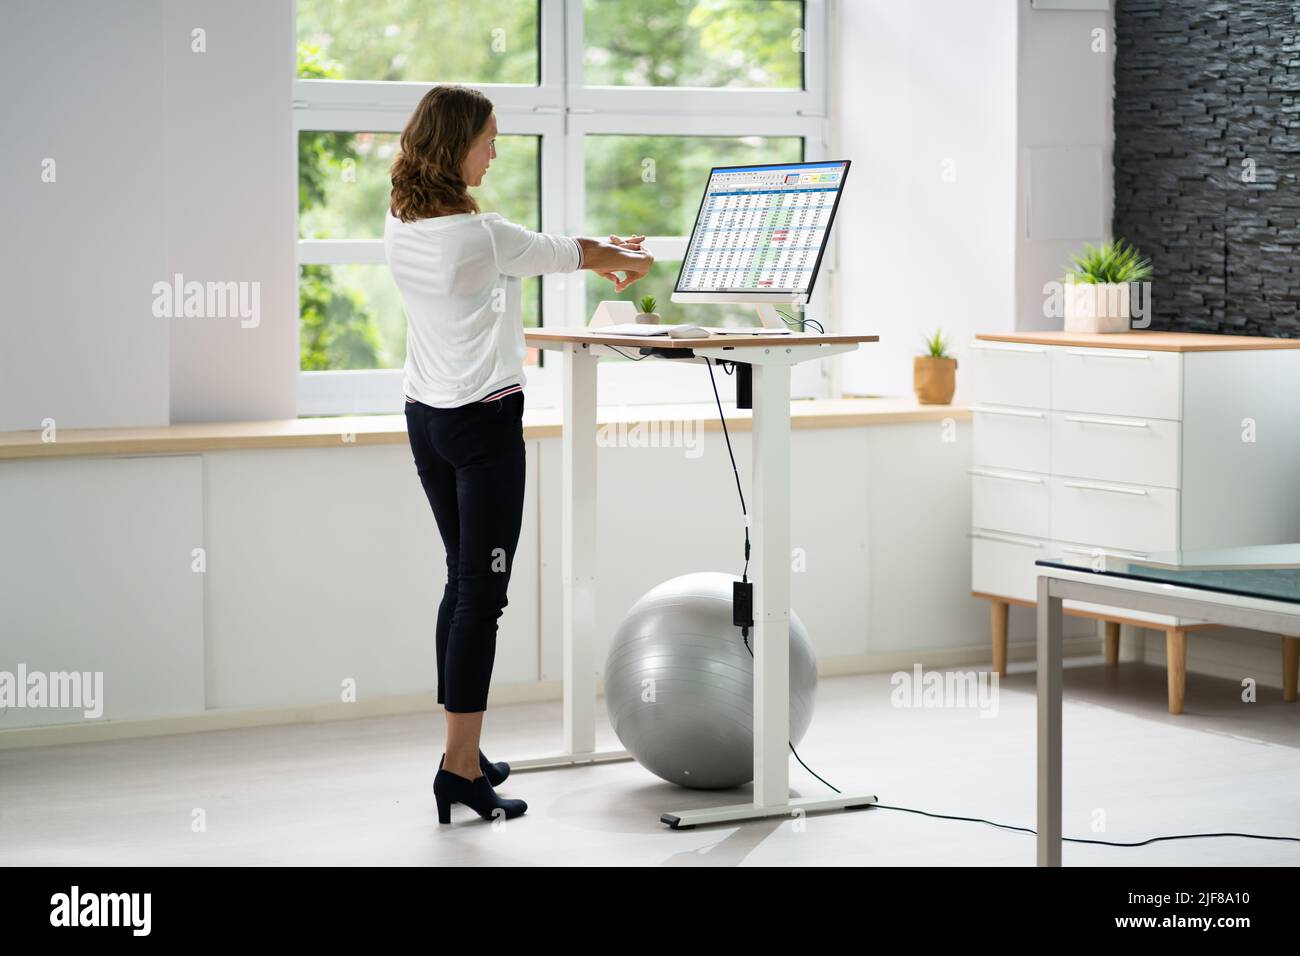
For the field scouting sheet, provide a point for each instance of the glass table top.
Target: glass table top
(1270, 571)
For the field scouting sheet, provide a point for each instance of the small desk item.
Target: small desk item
(646, 329)
(687, 332)
(635, 328)
(1251, 587)
(771, 359)
(744, 330)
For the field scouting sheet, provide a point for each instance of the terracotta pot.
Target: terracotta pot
(934, 379)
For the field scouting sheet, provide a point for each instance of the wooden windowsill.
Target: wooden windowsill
(345, 431)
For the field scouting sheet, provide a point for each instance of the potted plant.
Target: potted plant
(647, 315)
(934, 372)
(1097, 289)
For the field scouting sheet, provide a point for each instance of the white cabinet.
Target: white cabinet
(1117, 381)
(1115, 448)
(1113, 515)
(1014, 374)
(1129, 444)
(1016, 438)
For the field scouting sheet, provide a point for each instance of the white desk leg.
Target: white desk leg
(771, 571)
(1049, 725)
(578, 565)
(770, 639)
(578, 548)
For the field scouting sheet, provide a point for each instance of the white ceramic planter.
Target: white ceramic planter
(1097, 307)
(648, 318)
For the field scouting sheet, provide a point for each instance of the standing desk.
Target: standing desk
(770, 358)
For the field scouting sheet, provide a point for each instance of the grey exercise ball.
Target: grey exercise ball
(677, 645)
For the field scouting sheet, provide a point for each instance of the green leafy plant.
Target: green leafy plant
(647, 303)
(1110, 262)
(936, 346)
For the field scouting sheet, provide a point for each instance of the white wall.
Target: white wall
(231, 203)
(922, 83)
(82, 85)
(1065, 145)
(167, 161)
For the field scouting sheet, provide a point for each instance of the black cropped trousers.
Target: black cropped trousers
(471, 462)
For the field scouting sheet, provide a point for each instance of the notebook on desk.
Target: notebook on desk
(633, 328)
(639, 328)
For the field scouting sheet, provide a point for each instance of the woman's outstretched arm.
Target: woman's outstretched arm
(609, 257)
(520, 251)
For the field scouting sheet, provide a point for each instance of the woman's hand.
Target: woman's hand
(608, 259)
(630, 273)
(632, 242)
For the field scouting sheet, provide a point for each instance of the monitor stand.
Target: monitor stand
(767, 316)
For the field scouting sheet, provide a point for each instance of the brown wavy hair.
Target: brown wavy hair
(427, 178)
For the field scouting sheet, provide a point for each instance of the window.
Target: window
(611, 114)
(424, 41)
(725, 43)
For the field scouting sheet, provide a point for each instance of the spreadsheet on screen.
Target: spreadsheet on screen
(762, 228)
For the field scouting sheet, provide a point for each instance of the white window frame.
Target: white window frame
(562, 113)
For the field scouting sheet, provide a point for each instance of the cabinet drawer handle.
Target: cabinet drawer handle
(1141, 356)
(1015, 412)
(1005, 539)
(1006, 475)
(1113, 488)
(1007, 347)
(1122, 422)
(1095, 551)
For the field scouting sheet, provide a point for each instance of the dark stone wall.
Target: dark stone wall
(1200, 87)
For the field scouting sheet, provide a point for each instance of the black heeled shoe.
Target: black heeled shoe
(477, 794)
(495, 772)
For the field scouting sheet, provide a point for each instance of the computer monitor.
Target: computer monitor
(760, 234)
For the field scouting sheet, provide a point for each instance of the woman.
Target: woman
(458, 272)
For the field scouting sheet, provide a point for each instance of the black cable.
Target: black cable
(938, 816)
(790, 320)
(744, 575)
(1007, 826)
(625, 355)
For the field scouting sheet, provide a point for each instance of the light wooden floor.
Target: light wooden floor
(359, 791)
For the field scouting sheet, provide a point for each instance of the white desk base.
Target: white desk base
(769, 558)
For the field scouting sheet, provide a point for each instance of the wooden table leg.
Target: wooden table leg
(1112, 643)
(999, 617)
(1176, 666)
(1290, 667)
